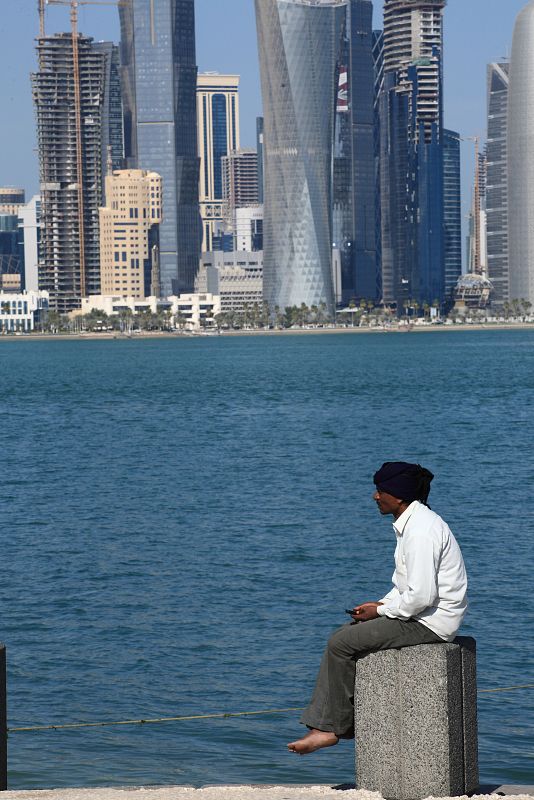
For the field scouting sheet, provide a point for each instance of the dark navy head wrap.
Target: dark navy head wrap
(405, 481)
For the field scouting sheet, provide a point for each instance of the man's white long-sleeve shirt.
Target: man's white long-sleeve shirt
(429, 582)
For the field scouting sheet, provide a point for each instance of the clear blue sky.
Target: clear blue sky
(476, 32)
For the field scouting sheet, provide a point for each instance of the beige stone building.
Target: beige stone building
(129, 227)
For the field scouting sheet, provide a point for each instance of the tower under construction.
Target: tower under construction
(76, 127)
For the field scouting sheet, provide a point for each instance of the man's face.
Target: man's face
(387, 504)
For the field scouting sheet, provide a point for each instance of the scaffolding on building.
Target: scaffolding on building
(69, 89)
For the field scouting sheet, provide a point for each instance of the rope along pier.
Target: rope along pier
(229, 715)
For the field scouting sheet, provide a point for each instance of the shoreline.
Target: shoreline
(243, 792)
(521, 326)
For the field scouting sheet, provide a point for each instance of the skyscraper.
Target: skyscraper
(218, 135)
(354, 167)
(378, 62)
(497, 181)
(452, 211)
(411, 152)
(477, 262)
(159, 76)
(69, 264)
(520, 156)
(112, 128)
(299, 46)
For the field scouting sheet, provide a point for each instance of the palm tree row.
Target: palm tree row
(125, 321)
(517, 308)
(252, 316)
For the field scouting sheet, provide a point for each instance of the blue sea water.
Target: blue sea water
(184, 522)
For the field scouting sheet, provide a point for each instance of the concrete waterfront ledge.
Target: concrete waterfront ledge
(246, 792)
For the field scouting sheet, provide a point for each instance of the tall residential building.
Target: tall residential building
(259, 151)
(354, 163)
(452, 210)
(218, 135)
(497, 181)
(69, 262)
(299, 48)
(411, 152)
(129, 234)
(240, 181)
(159, 77)
(477, 263)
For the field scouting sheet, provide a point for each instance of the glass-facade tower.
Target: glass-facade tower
(354, 168)
(411, 153)
(452, 210)
(112, 130)
(159, 77)
(299, 47)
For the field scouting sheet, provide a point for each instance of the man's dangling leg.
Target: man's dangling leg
(330, 714)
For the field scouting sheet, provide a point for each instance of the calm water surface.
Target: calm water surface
(184, 522)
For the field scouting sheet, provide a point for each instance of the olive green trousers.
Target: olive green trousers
(332, 705)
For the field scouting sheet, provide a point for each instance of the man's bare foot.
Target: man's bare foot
(314, 740)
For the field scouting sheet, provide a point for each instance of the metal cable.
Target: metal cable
(71, 725)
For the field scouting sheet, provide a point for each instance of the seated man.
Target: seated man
(427, 603)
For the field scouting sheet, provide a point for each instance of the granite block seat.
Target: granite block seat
(416, 721)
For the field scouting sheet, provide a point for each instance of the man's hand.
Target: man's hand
(366, 611)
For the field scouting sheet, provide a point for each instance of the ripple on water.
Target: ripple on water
(188, 520)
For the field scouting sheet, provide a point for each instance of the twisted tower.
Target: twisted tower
(299, 44)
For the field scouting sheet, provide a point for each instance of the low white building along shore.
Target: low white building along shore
(186, 311)
(21, 312)
(236, 277)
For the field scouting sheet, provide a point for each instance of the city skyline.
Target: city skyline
(465, 54)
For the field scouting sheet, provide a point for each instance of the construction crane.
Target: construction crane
(74, 6)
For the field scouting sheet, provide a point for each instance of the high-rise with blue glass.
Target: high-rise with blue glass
(354, 166)
(411, 153)
(452, 211)
(299, 47)
(159, 77)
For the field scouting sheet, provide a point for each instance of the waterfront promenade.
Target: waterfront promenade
(247, 792)
(374, 329)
